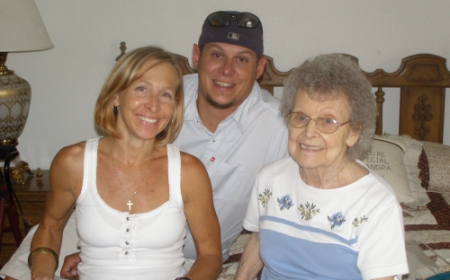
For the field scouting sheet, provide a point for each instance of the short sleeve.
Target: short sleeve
(251, 220)
(382, 244)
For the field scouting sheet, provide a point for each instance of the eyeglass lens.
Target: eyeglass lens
(219, 19)
(325, 125)
(245, 20)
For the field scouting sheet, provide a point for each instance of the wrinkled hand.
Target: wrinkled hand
(69, 269)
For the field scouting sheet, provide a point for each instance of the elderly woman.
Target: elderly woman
(321, 213)
(133, 191)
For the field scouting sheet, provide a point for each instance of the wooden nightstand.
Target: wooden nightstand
(32, 196)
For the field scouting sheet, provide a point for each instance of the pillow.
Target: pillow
(396, 158)
(438, 160)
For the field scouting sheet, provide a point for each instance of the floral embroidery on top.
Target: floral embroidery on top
(264, 197)
(336, 219)
(285, 202)
(308, 211)
(357, 222)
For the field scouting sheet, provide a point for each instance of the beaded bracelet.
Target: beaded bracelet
(43, 250)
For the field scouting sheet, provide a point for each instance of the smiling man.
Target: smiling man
(230, 124)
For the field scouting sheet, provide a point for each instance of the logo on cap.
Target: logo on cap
(233, 36)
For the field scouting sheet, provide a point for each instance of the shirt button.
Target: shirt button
(126, 253)
(128, 218)
(128, 243)
(128, 229)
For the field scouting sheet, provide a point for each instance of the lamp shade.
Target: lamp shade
(21, 27)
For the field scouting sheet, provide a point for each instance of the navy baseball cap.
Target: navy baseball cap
(236, 28)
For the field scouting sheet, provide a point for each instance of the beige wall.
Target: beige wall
(86, 35)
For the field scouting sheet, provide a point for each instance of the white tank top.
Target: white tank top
(117, 245)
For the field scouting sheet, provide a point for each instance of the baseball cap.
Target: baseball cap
(236, 28)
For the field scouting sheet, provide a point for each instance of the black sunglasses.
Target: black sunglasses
(244, 20)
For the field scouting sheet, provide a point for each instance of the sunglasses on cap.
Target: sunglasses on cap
(244, 20)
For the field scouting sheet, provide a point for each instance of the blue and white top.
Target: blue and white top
(352, 232)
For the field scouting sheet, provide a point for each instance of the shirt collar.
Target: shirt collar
(190, 97)
(241, 115)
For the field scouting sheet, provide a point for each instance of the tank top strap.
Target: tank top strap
(90, 165)
(174, 159)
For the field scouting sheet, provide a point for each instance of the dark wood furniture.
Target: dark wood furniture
(32, 196)
(422, 80)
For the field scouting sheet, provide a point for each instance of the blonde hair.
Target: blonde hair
(126, 71)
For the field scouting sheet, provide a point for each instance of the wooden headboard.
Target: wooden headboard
(422, 80)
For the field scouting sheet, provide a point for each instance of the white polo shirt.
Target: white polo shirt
(253, 136)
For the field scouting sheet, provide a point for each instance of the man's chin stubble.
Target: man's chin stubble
(218, 105)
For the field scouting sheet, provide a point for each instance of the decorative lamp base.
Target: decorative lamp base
(15, 99)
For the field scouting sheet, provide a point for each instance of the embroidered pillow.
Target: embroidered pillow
(396, 159)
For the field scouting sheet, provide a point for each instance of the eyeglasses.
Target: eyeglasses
(324, 125)
(244, 20)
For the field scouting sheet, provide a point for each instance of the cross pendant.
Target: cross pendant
(130, 203)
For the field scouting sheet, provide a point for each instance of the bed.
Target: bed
(414, 162)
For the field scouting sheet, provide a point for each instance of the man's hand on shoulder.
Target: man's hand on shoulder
(69, 270)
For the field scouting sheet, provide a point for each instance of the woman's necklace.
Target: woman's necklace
(130, 201)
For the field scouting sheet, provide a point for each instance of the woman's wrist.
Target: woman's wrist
(43, 250)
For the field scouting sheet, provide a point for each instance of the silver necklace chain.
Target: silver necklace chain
(130, 201)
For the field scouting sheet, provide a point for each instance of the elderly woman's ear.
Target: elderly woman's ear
(353, 137)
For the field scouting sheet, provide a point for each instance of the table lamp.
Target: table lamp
(21, 30)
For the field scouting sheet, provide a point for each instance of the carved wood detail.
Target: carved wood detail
(123, 48)
(421, 78)
(422, 114)
(272, 78)
(379, 98)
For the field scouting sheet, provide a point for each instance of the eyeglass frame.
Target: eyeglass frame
(232, 15)
(335, 122)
